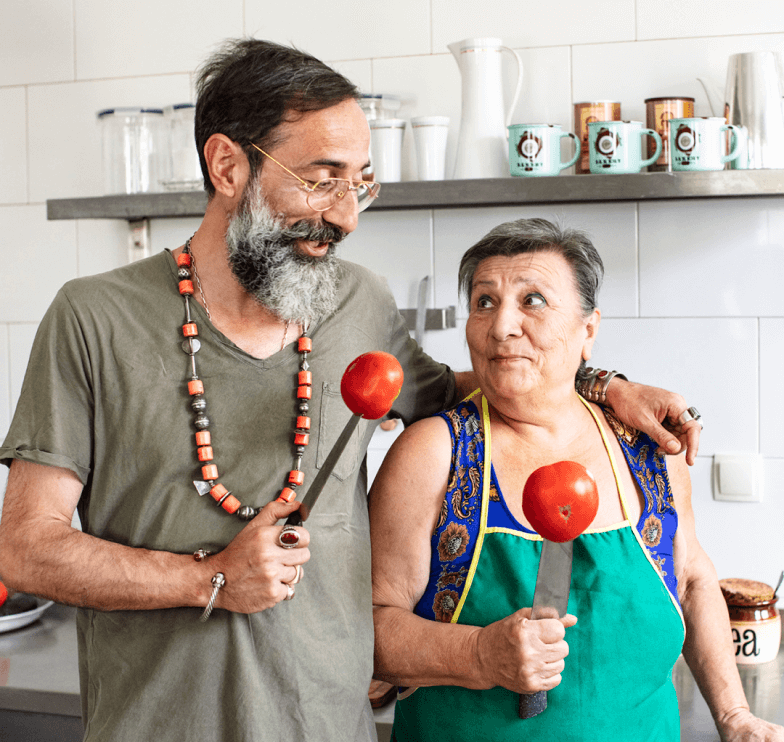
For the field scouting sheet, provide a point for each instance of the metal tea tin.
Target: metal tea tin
(658, 112)
(584, 113)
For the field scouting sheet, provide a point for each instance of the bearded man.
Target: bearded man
(179, 403)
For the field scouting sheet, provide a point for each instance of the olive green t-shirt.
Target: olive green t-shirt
(105, 396)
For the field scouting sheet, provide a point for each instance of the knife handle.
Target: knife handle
(295, 519)
(531, 704)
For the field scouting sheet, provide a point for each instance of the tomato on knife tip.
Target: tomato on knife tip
(371, 384)
(560, 500)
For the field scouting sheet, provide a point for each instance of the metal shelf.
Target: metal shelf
(445, 194)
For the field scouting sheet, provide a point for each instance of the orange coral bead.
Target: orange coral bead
(296, 476)
(186, 287)
(190, 330)
(287, 495)
(305, 378)
(209, 472)
(301, 439)
(305, 345)
(195, 387)
(205, 453)
(304, 392)
(218, 491)
(303, 423)
(203, 438)
(184, 260)
(231, 504)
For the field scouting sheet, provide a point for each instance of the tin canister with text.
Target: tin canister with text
(658, 112)
(584, 113)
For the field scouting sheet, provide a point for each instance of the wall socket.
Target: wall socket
(737, 477)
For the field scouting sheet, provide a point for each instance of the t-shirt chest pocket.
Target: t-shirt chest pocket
(334, 416)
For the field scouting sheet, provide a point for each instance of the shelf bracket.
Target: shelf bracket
(435, 319)
(138, 239)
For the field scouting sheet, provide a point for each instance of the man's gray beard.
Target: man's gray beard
(264, 258)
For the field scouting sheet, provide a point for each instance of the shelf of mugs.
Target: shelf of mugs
(445, 194)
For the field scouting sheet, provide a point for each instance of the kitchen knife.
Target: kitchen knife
(551, 598)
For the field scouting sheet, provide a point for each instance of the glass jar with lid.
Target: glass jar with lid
(134, 151)
(185, 169)
(754, 620)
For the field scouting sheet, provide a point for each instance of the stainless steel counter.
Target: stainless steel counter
(39, 676)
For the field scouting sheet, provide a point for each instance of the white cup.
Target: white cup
(386, 147)
(430, 141)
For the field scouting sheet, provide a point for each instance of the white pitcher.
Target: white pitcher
(482, 150)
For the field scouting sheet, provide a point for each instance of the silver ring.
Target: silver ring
(289, 537)
(692, 413)
(298, 575)
(290, 594)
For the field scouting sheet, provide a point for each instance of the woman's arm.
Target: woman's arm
(522, 655)
(708, 648)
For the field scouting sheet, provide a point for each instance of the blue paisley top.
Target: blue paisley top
(455, 535)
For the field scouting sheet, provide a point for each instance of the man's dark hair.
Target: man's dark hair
(246, 89)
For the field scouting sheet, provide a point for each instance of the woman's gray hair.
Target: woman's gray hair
(538, 235)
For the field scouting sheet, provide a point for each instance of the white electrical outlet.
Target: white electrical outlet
(737, 477)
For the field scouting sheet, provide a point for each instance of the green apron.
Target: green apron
(617, 684)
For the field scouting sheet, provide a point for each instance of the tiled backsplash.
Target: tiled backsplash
(692, 297)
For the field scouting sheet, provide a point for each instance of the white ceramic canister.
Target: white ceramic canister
(430, 133)
(386, 148)
(134, 151)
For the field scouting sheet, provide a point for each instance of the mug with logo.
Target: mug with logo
(535, 149)
(616, 146)
(699, 143)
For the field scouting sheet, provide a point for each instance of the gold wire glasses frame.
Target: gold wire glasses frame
(324, 194)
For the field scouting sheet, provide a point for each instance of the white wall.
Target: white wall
(693, 296)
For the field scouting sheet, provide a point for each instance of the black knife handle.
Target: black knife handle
(531, 704)
(295, 519)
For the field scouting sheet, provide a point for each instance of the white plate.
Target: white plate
(17, 620)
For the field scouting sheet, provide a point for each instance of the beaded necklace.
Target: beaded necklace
(186, 264)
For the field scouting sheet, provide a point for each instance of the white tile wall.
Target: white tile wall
(533, 24)
(13, 146)
(37, 257)
(149, 37)
(5, 379)
(692, 295)
(352, 29)
(712, 362)
(65, 136)
(668, 19)
(771, 388)
(632, 72)
(36, 42)
(711, 258)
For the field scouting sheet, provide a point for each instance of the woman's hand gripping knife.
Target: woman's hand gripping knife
(517, 653)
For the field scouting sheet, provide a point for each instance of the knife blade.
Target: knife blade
(301, 515)
(551, 598)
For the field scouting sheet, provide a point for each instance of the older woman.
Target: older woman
(455, 561)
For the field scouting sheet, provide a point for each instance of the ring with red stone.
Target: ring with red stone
(288, 537)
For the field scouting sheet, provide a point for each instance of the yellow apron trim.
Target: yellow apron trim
(487, 464)
(636, 533)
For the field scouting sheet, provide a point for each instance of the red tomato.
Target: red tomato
(3, 593)
(371, 384)
(560, 500)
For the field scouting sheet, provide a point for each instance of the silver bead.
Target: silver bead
(191, 345)
(304, 407)
(300, 451)
(202, 422)
(246, 512)
(183, 273)
(304, 365)
(199, 404)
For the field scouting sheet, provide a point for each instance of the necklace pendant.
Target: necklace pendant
(203, 488)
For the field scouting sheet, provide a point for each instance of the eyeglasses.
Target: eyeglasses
(324, 194)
